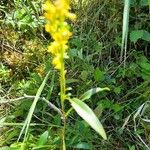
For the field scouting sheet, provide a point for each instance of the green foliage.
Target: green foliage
(89, 93)
(25, 16)
(139, 34)
(43, 139)
(4, 73)
(94, 62)
(99, 75)
(87, 114)
(32, 108)
(144, 65)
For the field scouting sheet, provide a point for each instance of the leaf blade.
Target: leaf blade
(135, 35)
(43, 139)
(91, 92)
(88, 115)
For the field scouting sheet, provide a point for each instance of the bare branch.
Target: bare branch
(5, 101)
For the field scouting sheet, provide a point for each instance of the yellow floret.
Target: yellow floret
(57, 62)
(54, 48)
(56, 13)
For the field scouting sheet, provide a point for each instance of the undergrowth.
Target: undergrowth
(94, 61)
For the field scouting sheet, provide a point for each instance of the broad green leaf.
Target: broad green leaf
(84, 75)
(43, 139)
(18, 146)
(98, 75)
(136, 35)
(88, 115)
(91, 92)
(116, 107)
(145, 65)
(146, 36)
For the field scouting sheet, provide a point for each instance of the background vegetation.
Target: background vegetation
(95, 50)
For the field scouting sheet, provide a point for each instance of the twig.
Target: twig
(4, 101)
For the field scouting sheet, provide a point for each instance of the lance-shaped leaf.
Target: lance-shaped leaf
(91, 92)
(88, 115)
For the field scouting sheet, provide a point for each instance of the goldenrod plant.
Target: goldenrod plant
(56, 13)
(107, 35)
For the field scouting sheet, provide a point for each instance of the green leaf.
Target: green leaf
(19, 14)
(11, 135)
(146, 36)
(116, 107)
(132, 147)
(73, 52)
(4, 148)
(149, 4)
(125, 29)
(32, 108)
(91, 92)
(145, 74)
(82, 145)
(98, 75)
(43, 139)
(145, 65)
(2, 120)
(84, 75)
(136, 35)
(88, 115)
(68, 81)
(18, 146)
(117, 90)
(143, 2)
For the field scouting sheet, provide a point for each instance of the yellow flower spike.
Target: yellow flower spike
(62, 36)
(57, 62)
(49, 7)
(48, 28)
(56, 13)
(66, 34)
(71, 16)
(64, 46)
(46, 6)
(48, 16)
(62, 4)
(54, 48)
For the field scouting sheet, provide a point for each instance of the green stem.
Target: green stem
(63, 95)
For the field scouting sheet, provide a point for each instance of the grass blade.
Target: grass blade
(29, 117)
(125, 30)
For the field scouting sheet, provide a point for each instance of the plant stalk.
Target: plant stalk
(63, 95)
